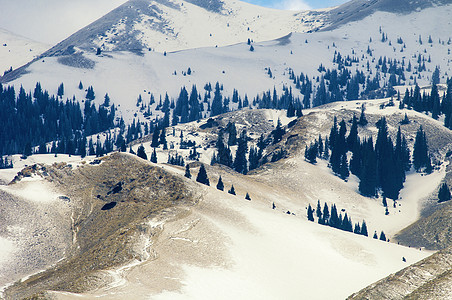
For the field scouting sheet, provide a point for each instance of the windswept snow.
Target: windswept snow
(16, 51)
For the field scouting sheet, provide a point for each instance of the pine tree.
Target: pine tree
(202, 176)
(141, 153)
(231, 190)
(318, 212)
(444, 193)
(343, 171)
(385, 203)
(364, 228)
(155, 138)
(220, 185)
(187, 171)
(357, 228)
(154, 156)
(382, 236)
(240, 162)
(375, 235)
(310, 213)
(326, 213)
(247, 197)
(420, 152)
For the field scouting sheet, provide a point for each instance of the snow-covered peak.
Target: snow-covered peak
(171, 25)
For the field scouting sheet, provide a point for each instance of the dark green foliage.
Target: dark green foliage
(155, 138)
(375, 236)
(444, 193)
(278, 132)
(202, 176)
(154, 156)
(60, 91)
(382, 236)
(5, 163)
(240, 161)
(310, 154)
(220, 185)
(385, 203)
(187, 171)
(80, 86)
(90, 93)
(231, 190)
(420, 152)
(318, 211)
(141, 153)
(176, 160)
(310, 213)
(364, 228)
(247, 197)
(217, 102)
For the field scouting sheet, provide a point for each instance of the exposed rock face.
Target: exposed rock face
(105, 238)
(427, 279)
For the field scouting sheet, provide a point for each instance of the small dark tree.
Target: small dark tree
(232, 190)
(382, 236)
(385, 203)
(141, 153)
(202, 176)
(375, 235)
(220, 185)
(364, 228)
(247, 196)
(251, 48)
(444, 193)
(154, 156)
(187, 171)
(310, 213)
(80, 86)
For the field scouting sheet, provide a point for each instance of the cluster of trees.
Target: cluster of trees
(34, 119)
(5, 163)
(335, 220)
(204, 179)
(332, 219)
(380, 165)
(432, 103)
(176, 159)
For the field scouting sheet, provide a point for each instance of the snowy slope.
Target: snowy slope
(51, 21)
(125, 75)
(15, 51)
(142, 25)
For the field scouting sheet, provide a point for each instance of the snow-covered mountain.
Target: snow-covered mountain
(125, 76)
(120, 225)
(143, 25)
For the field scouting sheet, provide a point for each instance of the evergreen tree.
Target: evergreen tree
(217, 102)
(187, 171)
(247, 197)
(318, 211)
(240, 162)
(343, 171)
(420, 152)
(154, 156)
(220, 185)
(310, 213)
(141, 153)
(382, 236)
(155, 138)
(444, 193)
(326, 213)
(364, 228)
(357, 229)
(231, 190)
(375, 235)
(202, 176)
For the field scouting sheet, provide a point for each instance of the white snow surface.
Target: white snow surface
(50, 21)
(15, 50)
(124, 75)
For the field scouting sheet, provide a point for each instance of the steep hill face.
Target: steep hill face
(167, 25)
(428, 279)
(108, 205)
(358, 9)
